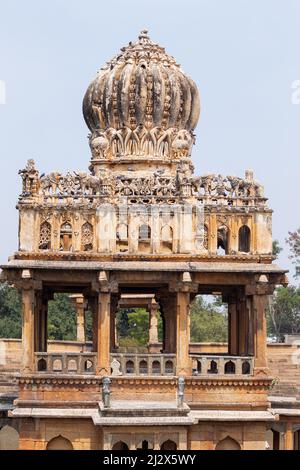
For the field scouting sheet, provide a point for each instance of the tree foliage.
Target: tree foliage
(293, 242)
(284, 312)
(61, 318)
(10, 312)
(208, 321)
(134, 331)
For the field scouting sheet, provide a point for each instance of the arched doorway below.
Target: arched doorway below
(228, 444)
(9, 438)
(59, 443)
(120, 445)
(168, 445)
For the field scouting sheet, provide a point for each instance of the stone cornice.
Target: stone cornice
(84, 256)
(58, 381)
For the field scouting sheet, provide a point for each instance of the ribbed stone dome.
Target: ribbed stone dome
(142, 87)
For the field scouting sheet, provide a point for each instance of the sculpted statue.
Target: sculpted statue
(99, 145)
(182, 144)
(88, 184)
(30, 177)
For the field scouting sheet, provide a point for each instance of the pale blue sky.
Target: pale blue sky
(243, 55)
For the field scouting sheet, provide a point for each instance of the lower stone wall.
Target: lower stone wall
(227, 436)
(76, 434)
(81, 434)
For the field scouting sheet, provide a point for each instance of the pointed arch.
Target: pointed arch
(45, 236)
(87, 237)
(223, 239)
(66, 233)
(244, 239)
(9, 438)
(120, 445)
(228, 444)
(59, 443)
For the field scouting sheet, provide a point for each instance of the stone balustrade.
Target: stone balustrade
(143, 364)
(221, 365)
(66, 363)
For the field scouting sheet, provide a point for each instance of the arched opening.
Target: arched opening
(122, 237)
(228, 444)
(129, 367)
(59, 443)
(222, 240)
(41, 365)
(246, 368)
(57, 365)
(120, 445)
(244, 239)
(168, 445)
(229, 368)
(72, 365)
(143, 367)
(169, 367)
(87, 237)
(156, 367)
(9, 438)
(88, 366)
(144, 239)
(166, 245)
(66, 237)
(213, 368)
(45, 236)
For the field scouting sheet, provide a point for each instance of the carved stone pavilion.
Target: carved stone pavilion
(141, 230)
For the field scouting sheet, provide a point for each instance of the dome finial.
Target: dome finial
(144, 37)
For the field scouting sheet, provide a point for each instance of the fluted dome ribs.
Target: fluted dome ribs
(141, 94)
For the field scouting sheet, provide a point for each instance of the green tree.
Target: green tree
(283, 316)
(88, 325)
(10, 312)
(137, 331)
(61, 318)
(293, 242)
(208, 321)
(122, 321)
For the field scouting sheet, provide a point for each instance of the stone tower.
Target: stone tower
(140, 229)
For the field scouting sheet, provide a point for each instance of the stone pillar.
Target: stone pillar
(289, 437)
(113, 325)
(242, 327)
(213, 234)
(169, 311)
(80, 320)
(232, 326)
(183, 363)
(260, 331)
(106, 288)
(43, 332)
(28, 327)
(153, 322)
(103, 334)
(93, 306)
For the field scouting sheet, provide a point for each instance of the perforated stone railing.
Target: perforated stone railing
(66, 363)
(222, 365)
(143, 364)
